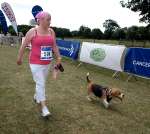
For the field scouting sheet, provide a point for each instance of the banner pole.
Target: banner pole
(79, 65)
(115, 74)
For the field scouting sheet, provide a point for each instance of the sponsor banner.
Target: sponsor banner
(3, 23)
(103, 55)
(10, 14)
(137, 61)
(68, 48)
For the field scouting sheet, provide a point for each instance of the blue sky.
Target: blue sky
(74, 13)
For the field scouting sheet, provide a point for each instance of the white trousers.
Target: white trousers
(40, 73)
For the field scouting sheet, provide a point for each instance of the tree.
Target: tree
(96, 33)
(75, 33)
(132, 33)
(24, 28)
(11, 30)
(141, 6)
(62, 32)
(110, 26)
(85, 32)
(147, 32)
(119, 34)
(142, 33)
(66, 32)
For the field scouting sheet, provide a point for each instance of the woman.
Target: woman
(43, 42)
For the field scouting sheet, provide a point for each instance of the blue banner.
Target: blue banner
(3, 23)
(69, 48)
(137, 61)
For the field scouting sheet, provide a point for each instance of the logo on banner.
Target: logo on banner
(98, 54)
(70, 50)
(141, 63)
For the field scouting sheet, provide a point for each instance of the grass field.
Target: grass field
(71, 112)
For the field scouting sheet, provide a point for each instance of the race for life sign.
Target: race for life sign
(137, 61)
(10, 14)
(107, 56)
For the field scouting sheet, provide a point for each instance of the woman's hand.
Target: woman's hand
(26, 41)
(58, 61)
(19, 61)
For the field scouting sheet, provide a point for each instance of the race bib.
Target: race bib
(46, 53)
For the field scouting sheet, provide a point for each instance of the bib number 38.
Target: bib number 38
(46, 53)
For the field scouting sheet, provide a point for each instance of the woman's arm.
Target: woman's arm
(55, 48)
(27, 41)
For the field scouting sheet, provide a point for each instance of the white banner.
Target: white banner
(107, 56)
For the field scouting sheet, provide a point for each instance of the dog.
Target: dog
(105, 93)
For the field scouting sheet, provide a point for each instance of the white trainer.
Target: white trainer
(45, 112)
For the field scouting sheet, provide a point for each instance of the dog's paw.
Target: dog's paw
(88, 98)
(88, 74)
(106, 104)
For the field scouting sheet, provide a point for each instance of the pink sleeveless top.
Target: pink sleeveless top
(41, 49)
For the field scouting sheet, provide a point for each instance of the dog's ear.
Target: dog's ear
(115, 91)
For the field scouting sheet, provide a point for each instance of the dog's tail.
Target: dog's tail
(87, 77)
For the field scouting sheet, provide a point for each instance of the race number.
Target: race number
(46, 53)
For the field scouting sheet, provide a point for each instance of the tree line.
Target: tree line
(112, 31)
(112, 28)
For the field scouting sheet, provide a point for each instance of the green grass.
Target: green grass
(72, 113)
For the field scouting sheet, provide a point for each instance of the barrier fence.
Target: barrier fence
(135, 61)
(103, 55)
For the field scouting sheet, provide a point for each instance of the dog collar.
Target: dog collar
(108, 91)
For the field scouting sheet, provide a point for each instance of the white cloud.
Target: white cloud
(74, 13)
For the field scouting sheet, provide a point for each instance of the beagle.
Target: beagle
(105, 93)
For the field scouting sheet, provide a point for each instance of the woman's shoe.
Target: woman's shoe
(45, 112)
